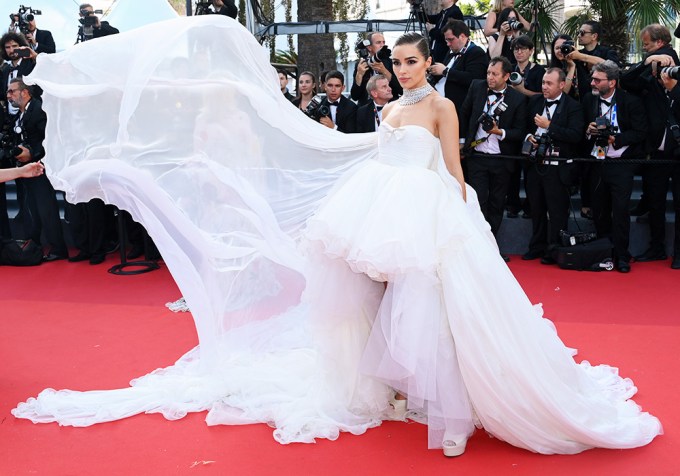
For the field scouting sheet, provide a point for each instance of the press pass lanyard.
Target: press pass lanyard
(488, 108)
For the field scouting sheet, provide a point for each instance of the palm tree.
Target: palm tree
(315, 52)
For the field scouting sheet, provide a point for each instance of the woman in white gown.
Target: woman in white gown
(297, 328)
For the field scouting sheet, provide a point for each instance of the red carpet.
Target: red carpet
(76, 326)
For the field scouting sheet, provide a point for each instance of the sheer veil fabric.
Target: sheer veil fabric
(280, 234)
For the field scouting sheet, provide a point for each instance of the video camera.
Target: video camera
(487, 120)
(316, 110)
(89, 19)
(21, 19)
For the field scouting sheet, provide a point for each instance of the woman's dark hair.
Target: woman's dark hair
(11, 36)
(554, 61)
(417, 40)
(503, 17)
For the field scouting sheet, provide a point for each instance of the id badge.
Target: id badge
(599, 152)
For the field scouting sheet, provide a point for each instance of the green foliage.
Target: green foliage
(475, 7)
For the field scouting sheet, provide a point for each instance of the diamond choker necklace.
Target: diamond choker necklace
(413, 96)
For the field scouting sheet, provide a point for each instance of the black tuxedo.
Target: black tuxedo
(42, 201)
(548, 180)
(490, 177)
(366, 117)
(45, 42)
(346, 114)
(612, 184)
(438, 46)
(358, 91)
(24, 69)
(469, 66)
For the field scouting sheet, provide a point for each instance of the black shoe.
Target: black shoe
(532, 254)
(97, 259)
(135, 252)
(53, 257)
(548, 260)
(675, 264)
(651, 255)
(623, 266)
(506, 258)
(82, 256)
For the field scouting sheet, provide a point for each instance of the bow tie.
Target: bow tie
(606, 103)
(334, 103)
(550, 103)
(379, 108)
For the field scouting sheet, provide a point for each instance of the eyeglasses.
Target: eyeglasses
(583, 33)
(598, 80)
(521, 48)
(12, 91)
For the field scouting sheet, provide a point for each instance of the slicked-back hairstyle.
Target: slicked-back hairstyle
(506, 66)
(336, 75)
(595, 27)
(609, 68)
(456, 27)
(11, 36)
(657, 32)
(417, 40)
(561, 75)
(21, 85)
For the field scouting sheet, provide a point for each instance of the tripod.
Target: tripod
(416, 15)
(539, 34)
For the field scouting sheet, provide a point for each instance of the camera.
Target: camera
(89, 18)
(316, 110)
(516, 78)
(362, 49)
(9, 145)
(383, 54)
(567, 47)
(203, 7)
(23, 16)
(604, 130)
(544, 146)
(487, 120)
(673, 72)
(515, 25)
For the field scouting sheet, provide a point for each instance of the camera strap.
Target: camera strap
(672, 123)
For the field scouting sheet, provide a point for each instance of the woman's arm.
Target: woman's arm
(447, 128)
(496, 45)
(29, 170)
(571, 74)
(489, 28)
(527, 24)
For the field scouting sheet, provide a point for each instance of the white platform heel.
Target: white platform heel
(453, 446)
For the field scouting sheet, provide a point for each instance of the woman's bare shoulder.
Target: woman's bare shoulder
(441, 105)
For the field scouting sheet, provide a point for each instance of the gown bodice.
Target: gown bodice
(409, 146)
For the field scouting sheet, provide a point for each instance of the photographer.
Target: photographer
(562, 45)
(509, 28)
(374, 60)
(435, 28)
(342, 112)
(90, 25)
(225, 7)
(530, 74)
(485, 131)
(617, 128)
(30, 132)
(556, 126)
(21, 60)
(40, 40)
(465, 62)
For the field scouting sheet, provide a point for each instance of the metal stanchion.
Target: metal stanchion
(139, 267)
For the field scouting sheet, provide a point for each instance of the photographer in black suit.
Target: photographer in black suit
(343, 112)
(435, 28)
(617, 128)
(369, 64)
(42, 201)
(90, 25)
(369, 116)
(556, 127)
(485, 132)
(40, 40)
(20, 58)
(226, 7)
(465, 62)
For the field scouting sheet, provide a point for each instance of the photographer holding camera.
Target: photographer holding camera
(24, 22)
(617, 128)
(435, 28)
(374, 59)
(562, 46)
(509, 28)
(342, 113)
(90, 25)
(486, 131)
(20, 59)
(556, 126)
(225, 7)
(29, 128)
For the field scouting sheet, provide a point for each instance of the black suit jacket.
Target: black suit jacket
(33, 127)
(640, 81)
(45, 42)
(229, 9)
(513, 120)
(632, 120)
(366, 117)
(345, 116)
(358, 91)
(471, 65)
(439, 48)
(25, 68)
